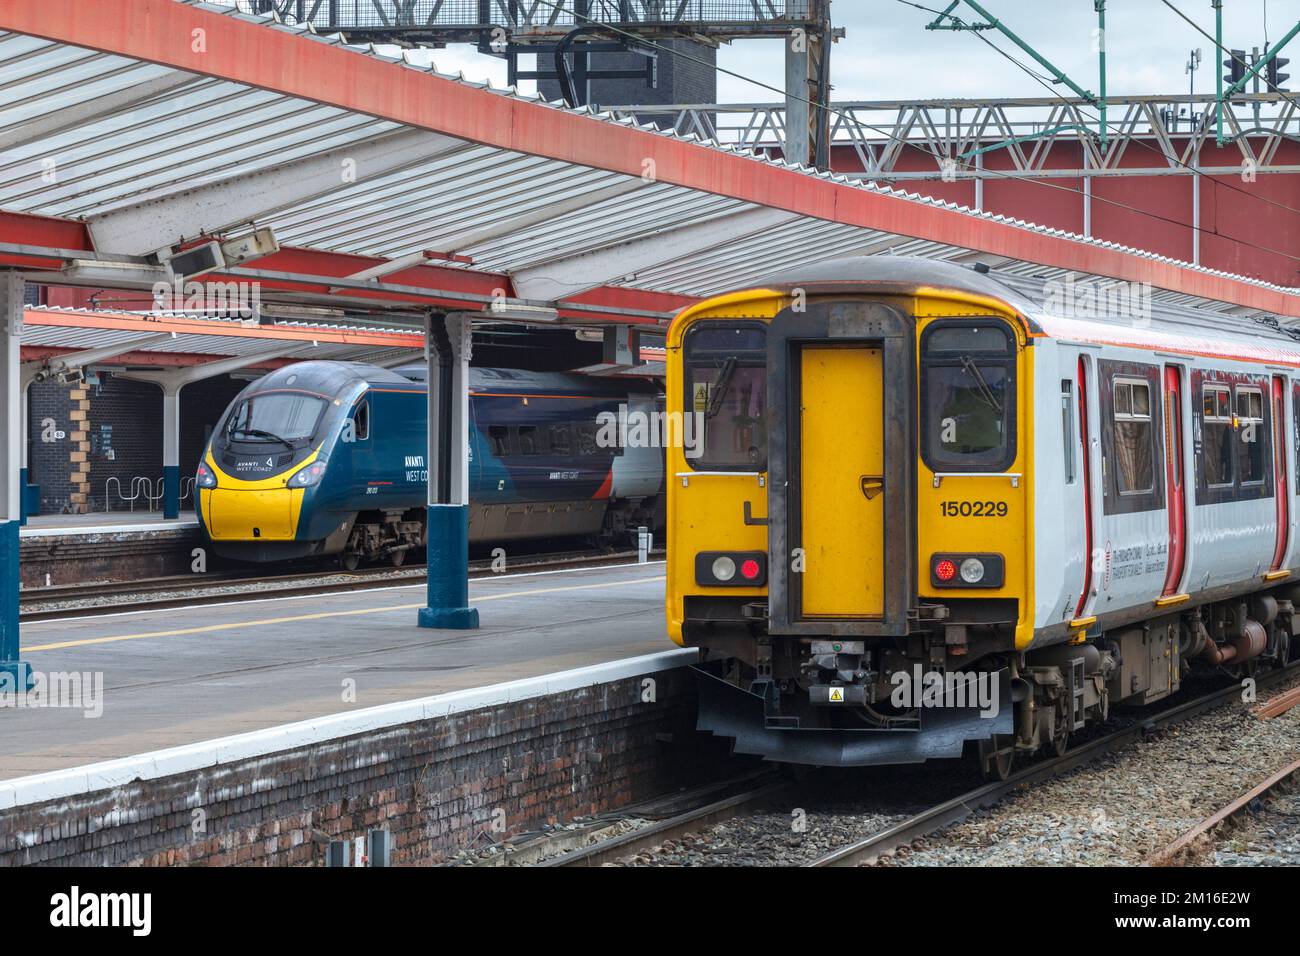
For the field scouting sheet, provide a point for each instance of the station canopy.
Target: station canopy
(133, 129)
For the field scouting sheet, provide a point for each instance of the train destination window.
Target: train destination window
(281, 417)
(1216, 435)
(1134, 451)
(968, 396)
(726, 396)
(1250, 430)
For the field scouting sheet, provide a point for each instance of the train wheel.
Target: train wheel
(1061, 742)
(996, 756)
(349, 560)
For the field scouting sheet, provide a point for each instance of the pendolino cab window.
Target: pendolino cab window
(968, 396)
(725, 424)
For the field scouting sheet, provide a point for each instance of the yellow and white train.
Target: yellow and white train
(920, 508)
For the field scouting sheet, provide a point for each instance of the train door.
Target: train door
(1281, 480)
(1089, 485)
(1175, 480)
(842, 511)
(841, 457)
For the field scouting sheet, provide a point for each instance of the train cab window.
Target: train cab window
(1216, 435)
(1134, 448)
(361, 422)
(1250, 430)
(968, 396)
(726, 396)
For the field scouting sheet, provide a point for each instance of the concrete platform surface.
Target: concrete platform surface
(99, 522)
(178, 676)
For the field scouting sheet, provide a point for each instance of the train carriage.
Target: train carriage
(931, 510)
(329, 459)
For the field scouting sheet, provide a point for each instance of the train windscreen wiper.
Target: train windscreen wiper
(263, 433)
(985, 391)
(719, 394)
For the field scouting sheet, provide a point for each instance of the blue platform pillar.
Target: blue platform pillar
(447, 341)
(15, 674)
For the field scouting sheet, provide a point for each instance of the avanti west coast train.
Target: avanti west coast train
(931, 514)
(329, 459)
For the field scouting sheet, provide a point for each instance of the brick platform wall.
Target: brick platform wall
(437, 785)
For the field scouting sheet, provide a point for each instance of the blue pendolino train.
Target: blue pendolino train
(328, 458)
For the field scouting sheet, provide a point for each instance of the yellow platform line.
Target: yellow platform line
(233, 625)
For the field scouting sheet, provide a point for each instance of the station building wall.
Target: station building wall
(81, 435)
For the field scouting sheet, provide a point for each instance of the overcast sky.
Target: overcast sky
(888, 53)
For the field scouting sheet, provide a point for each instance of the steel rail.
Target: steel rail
(1170, 853)
(957, 809)
(633, 842)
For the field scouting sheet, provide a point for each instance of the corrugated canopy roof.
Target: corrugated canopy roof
(109, 117)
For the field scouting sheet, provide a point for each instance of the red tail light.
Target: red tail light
(750, 569)
(945, 570)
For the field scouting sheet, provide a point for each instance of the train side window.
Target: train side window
(1216, 436)
(1067, 427)
(561, 440)
(1134, 448)
(361, 422)
(968, 395)
(527, 437)
(1250, 429)
(499, 439)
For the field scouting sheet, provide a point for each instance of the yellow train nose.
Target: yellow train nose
(248, 515)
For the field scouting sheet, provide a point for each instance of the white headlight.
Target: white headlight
(972, 570)
(724, 569)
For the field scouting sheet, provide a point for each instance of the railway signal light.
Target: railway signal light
(1274, 75)
(1236, 64)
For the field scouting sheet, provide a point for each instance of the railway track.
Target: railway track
(1189, 845)
(190, 590)
(877, 844)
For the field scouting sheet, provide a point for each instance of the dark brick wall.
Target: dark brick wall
(436, 785)
(121, 435)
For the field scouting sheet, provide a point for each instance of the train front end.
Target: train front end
(849, 515)
(264, 475)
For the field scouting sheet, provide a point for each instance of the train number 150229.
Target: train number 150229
(973, 509)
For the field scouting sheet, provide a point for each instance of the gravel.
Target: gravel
(1127, 805)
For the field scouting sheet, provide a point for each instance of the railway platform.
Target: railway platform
(68, 549)
(159, 679)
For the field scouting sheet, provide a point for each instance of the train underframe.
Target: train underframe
(953, 688)
(389, 536)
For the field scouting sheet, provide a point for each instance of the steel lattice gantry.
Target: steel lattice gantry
(132, 128)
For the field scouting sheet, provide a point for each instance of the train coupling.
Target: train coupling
(837, 674)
